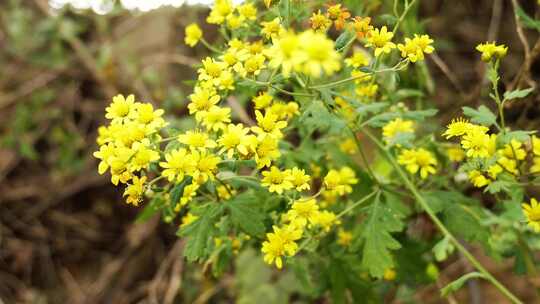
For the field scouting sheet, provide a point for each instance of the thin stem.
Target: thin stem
(420, 199)
(405, 11)
(357, 203)
(209, 46)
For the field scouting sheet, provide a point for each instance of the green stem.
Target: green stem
(423, 203)
(405, 11)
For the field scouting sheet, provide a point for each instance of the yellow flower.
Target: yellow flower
(340, 181)
(142, 156)
(457, 127)
(416, 160)
(326, 220)
(272, 29)
(348, 146)
(206, 166)
(196, 140)
(319, 22)
(514, 150)
(268, 124)
(455, 154)
(320, 54)
(202, 100)
(254, 64)
(120, 108)
(414, 49)
(177, 164)
(532, 213)
(285, 53)
(135, 190)
(508, 164)
(188, 219)
(216, 118)
(536, 165)
(536, 145)
(381, 40)
(234, 138)
(221, 9)
(193, 34)
(276, 180)
(263, 100)
(211, 70)
(389, 274)
(344, 238)
(476, 142)
(368, 90)
(280, 243)
(490, 50)
(224, 193)
(357, 60)
(396, 127)
(299, 179)
(190, 191)
(266, 151)
(302, 212)
(478, 179)
(248, 11)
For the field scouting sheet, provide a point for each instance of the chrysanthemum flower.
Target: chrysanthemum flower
(135, 190)
(380, 40)
(276, 180)
(416, 160)
(457, 127)
(491, 50)
(299, 179)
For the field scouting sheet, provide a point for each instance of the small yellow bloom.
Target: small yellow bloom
(188, 219)
(416, 160)
(120, 108)
(357, 60)
(302, 212)
(263, 100)
(177, 164)
(340, 181)
(299, 179)
(221, 9)
(478, 179)
(362, 26)
(380, 40)
(344, 238)
(319, 22)
(396, 127)
(276, 180)
(457, 127)
(320, 54)
(196, 140)
(491, 50)
(272, 29)
(193, 34)
(389, 274)
(455, 154)
(532, 213)
(135, 190)
(279, 244)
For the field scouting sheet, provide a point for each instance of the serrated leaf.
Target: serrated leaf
(178, 190)
(457, 284)
(443, 249)
(517, 94)
(200, 232)
(246, 213)
(482, 116)
(517, 135)
(381, 221)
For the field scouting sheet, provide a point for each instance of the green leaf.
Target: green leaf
(381, 119)
(517, 94)
(526, 20)
(178, 190)
(482, 116)
(381, 221)
(246, 213)
(343, 39)
(517, 135)
(149, 210)
(443, 249)
(200, 232)
(457, 284)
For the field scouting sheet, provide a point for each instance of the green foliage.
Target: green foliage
(482, 115)
(246, 213)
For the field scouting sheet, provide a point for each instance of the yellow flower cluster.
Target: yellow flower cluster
(128, 145)
(490, 50)
(418, 160)
(233, 17)
(478, 144)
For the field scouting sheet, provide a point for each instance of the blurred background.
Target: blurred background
(66, 236)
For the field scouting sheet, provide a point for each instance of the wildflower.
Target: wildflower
(120, 108)
(196, 140)
(532, 213)
(272, 29)
(319, 22)
(254, 64)
(266, 151)
(234, 138)
(280, 243)
(135, 190)
(216, 118)
(234, 21)
(414, 49)
(362, 26)
(494, 171)
(457, 127)
(455, 154)
(508, 164)
(338, 14)
(105, 154)
(142, 156)
(361, 78)
(340, 181)
(202, 100)
(211, 70)
(491, 50)
(344, 238)
(381, 40)
(299, 179)
(389, 274)
(248, 11)
(285, 53)
(536, 145)
(368, 90)
(357, 60)
(193, 34)
(478, 179)
(263, 100)
(348, 146)
(177, 164)
(476, 142)
(188, 219)
(269, 124)
(190, 191)
(276, 180)
(302, 212)
(225, 193)
(221, 9)
(326, 220)
(206, 166)
(514, 150)
(416, 160)
(535, 168)
(320, 53)
(396, 127)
